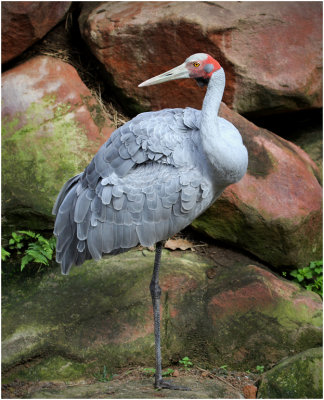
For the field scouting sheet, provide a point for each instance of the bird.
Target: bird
(151, 179)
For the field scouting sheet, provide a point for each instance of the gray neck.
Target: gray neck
(209, 130)
(223, 147)
(213, 96)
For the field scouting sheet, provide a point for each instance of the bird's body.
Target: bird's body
(153, 176)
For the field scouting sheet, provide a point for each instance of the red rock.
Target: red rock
(251, 309)
(216, 322)
(271, 52)
(47, 109)
(24, 22)
(275, 211)
(250, 391)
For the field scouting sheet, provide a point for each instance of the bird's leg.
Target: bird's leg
(156, 294)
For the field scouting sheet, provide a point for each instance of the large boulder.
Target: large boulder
(23, 23)
(51, 127)
(275, 211)
(240, 314)
(271, 52)
(297, 377)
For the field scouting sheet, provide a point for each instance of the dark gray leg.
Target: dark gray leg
(156, 294)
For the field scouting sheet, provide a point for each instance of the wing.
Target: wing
(142, 187)
(152, 136)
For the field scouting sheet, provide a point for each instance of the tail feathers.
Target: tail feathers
(71, 249)
(65, 228)
(64, 191)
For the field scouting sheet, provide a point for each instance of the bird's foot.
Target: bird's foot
(162, 384)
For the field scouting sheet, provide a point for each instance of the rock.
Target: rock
(176, 373)
(68, 327)
(275, 211)
(250, 391)
(253, 314)
(297, 377)
(51, 127)
(263, 47)
(23, 23)
(311, 141)
(128, 388)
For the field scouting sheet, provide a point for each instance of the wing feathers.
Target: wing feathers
(137, 189)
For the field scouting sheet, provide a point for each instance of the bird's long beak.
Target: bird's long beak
(175, 73)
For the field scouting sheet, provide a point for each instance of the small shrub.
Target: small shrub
(311, 277)
(186, 363)
(103, 376)
(30, 247)
(260, 369)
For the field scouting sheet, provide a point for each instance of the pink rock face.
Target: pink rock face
(275, 211)
(271, 52)
(244, 298)
(23, 23)
(47, 109)
(42, 77)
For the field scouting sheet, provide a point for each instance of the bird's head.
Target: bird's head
(199, 66)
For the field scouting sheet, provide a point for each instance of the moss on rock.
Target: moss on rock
(39, 155)
(297, 377)
(101, 314)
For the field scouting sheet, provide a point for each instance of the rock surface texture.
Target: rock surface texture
(128, 388)
(275, 211)
(51, 127)
(23, 23)
(297, 377)
(271, 52)
(240, 315)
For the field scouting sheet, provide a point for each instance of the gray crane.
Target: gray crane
(152, 178)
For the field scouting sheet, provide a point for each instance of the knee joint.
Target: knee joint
(155, 290)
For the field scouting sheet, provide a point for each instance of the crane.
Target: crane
(152, 178)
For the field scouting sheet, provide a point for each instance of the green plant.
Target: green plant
(186, 363)
(151, 371)
(223, 367)
(311, 277)
(103, 376)
(33, 246)
(4, 254)
(260, 369)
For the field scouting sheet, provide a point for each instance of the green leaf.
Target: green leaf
(25, 260)
(300, 277)
(28, 233)
(150, 371)
(37, 256)
(4, 254)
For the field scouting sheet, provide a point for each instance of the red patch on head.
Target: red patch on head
(203, 68)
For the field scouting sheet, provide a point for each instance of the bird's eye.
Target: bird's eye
(196, 64)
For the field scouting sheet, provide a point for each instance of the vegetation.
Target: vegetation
(103, 376)
(311, 277)
(186, 363)
(260, 369)
(29, 247)
(151, 371)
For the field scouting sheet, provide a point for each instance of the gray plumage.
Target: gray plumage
(151, 179)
